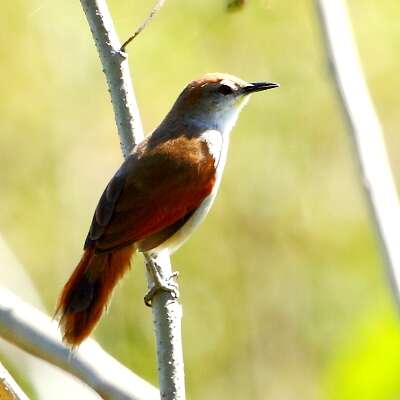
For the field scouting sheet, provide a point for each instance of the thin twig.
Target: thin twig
(167, 311)
(366, 133)
(152, 14)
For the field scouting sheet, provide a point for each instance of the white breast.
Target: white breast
(217, 143)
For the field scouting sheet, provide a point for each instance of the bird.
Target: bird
(156, 199)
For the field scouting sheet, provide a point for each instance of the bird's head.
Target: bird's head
(216, 99)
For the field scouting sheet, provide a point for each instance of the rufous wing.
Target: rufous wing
(155, 190)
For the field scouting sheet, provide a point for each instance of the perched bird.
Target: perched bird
(159, 195)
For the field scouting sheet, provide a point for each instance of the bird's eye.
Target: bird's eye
(225, 90)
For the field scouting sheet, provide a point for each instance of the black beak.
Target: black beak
(259, 86)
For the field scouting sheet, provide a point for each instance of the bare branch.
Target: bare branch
(9, 389)
(34, 370)
(152, 14)
(116, 70)
(166, 310)
(366, 133)
(34, 332)
(167, 314)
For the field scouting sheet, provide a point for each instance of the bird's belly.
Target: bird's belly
(180, 236)
(218, 147)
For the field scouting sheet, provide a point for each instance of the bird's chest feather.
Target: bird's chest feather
(217, 145)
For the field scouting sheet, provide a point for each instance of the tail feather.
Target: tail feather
(88, 290)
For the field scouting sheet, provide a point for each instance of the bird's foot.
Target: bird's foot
(160, 284)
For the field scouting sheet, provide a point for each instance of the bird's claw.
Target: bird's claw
(160, 284)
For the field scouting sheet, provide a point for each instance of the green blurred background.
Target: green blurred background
(284, 292)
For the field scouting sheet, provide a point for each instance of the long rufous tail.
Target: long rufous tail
(87, 291)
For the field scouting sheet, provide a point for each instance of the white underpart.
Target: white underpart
(218, 143)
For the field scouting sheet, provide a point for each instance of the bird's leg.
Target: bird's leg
(160, 283)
